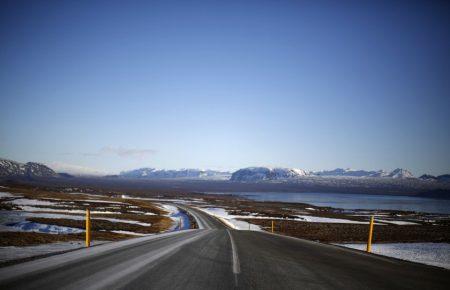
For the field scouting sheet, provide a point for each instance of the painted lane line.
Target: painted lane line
(236, 265)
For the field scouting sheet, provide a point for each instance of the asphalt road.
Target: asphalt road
(215, 257)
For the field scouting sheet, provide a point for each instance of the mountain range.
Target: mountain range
(265, 173)
(9, 168)
(175, 173)
(396, 173)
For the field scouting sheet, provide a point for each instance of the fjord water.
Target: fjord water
(355, 201)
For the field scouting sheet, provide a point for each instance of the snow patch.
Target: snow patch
(100, 201)
(316, 219)
(6, 194)
(230, 220)
(130, 233)
(180, 219)
(33, 209)
(435, 254)
(27, 201)
(27, 226)
(400, 223)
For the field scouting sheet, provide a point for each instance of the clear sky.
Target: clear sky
(226, 84)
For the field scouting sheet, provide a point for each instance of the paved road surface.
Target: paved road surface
(215, 257)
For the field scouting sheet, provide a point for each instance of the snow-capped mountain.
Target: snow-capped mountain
(401, 173)
(265, 173)
(9, 168)
(175, 173)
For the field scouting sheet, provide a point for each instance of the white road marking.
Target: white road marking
(236, 265)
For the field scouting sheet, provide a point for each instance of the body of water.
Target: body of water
(355, 201)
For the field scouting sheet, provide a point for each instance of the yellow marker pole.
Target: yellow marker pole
(88, 228)
(369, 241)
(272, 226)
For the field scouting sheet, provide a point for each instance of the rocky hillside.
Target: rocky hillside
(9, 168)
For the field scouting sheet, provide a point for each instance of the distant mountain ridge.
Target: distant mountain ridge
(396, 173)
(351, 172)
(440, 178)
(175, 173)
(265, 173)
(9, 168)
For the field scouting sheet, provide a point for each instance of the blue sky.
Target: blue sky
(226, 84)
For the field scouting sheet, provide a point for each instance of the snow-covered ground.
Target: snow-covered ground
(180, 220)
(99, 201)
(27, 201)
(400, 223)
(316, 219)
(16, 221)
(7, 194)
(130, 233)
(26, 226)
(233, 221)
(436, 254)
(59, 208)
(74, 211)
(230, 220)
(14, 253)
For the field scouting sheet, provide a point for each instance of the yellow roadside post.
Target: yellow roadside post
(369, 241)
(272, 226)
(88, 228)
